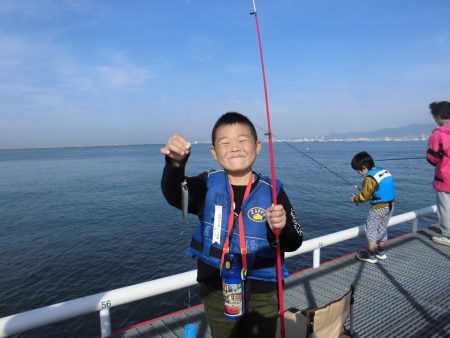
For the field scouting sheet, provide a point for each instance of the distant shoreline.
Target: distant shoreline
(302, 140)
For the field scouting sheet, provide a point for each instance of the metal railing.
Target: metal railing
(102, 302)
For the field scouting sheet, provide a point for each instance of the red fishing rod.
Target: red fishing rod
(272, 170)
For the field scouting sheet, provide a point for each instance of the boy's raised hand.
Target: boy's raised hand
(177, 148)
(276, 217)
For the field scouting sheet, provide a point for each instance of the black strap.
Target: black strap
(438, 154)
(259, 263)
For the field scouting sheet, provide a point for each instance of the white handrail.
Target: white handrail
(105, 300)
(340, 236)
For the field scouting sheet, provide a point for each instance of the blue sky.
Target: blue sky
(85, 72)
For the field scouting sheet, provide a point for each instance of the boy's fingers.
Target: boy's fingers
(278, 207)
(171, 151)
(276, 216)
(176, 146)
(176, 149)
(279, 211)
(164, 151)
(180, 142)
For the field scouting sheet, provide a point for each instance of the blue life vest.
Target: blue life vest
(261, 256)
(386, 188)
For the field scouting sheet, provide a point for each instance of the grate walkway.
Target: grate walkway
(407, 295)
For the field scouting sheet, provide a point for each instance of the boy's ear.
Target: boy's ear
(213, 152)
(258, 147)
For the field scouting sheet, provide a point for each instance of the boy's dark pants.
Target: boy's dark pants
(260, 318)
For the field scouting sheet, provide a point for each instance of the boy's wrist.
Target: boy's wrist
(176, 163)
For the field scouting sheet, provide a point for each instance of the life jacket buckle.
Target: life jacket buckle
(244, 273)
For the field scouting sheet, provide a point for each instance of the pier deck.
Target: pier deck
(407, 295)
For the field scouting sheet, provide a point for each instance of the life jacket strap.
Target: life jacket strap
(231, 220)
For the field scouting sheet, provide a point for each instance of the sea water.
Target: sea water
(78, 221)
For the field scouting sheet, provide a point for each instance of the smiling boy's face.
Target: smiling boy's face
(236, 149)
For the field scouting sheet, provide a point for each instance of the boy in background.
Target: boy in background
(438, 155)
(378, 188)
(236, 213)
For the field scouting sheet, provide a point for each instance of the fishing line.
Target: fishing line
(400, 159)
(272, 170)
(312, 159)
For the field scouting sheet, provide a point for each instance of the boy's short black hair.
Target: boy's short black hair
(440, 109)
(362, 160)
(232, 118)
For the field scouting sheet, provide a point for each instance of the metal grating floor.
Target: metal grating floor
(407, 295)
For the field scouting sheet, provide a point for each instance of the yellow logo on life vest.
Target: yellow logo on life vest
(257, 214)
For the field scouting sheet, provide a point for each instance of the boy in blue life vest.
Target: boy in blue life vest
(236, 217)
(378, 188)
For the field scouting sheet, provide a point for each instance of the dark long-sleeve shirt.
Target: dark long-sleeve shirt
(290, 237)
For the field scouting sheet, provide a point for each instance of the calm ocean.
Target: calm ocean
(77, 221)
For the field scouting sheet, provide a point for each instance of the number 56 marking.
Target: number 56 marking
(106, 304)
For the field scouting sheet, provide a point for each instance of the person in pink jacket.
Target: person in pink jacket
(438, 155)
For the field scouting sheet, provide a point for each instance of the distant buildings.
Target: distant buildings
(356, 139)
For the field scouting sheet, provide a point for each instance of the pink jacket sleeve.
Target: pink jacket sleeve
(434, 152)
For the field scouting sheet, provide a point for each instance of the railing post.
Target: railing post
(316, 258)
(415, 225)
(105, 323)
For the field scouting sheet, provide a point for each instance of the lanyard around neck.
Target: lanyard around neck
(231, 219)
